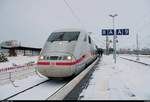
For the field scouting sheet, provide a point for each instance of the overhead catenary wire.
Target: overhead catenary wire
(73, 13)
(146, 17)
(143, 27)
(142, 24)
(140, 21)
(75, 16)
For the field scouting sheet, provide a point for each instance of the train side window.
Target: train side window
(85, 38)
(89, 40)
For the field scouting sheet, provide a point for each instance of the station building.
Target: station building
(13, 48)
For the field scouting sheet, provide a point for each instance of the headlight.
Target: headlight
(41, 57)
(69, 57)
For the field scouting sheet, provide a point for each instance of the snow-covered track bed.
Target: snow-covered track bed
(40, 91)
(14, 95)
(135, 61)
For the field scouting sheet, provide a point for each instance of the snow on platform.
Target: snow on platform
(124, 80)
(142, 58)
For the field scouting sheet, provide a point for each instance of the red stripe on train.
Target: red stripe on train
(62, 63)
(43, 63)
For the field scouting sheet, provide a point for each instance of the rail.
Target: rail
(135, 61)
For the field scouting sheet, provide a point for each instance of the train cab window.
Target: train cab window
(89, 39)
(64, 36)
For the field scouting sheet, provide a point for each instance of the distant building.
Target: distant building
(125, 51)
(8, 44)
(21, 50)
(14, 48)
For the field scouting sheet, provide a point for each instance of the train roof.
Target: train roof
(69, 29)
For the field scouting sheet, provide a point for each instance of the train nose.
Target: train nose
(56, 66)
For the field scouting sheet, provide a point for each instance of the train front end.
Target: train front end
(57, 58)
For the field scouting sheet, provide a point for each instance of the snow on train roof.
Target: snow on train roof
(69, 29)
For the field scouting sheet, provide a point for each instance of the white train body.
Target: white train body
(66, 53)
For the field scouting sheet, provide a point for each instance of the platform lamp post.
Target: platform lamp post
(114, 36)
(107, 48)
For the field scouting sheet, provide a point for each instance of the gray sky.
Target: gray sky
(32, 21)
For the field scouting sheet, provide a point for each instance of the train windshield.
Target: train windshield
(63, 36)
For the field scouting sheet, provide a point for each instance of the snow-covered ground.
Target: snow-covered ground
(17, 68)
(9, 90)
(124, 80)
(142, 58)
(19, 60)
(22, 79)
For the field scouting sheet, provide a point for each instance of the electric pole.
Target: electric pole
(107, 49)
(114, 36)
(137, 47)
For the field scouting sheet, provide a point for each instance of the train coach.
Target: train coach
(66, 53)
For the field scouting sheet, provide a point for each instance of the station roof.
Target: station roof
(22, 48)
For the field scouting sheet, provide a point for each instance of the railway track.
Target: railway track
(50, 89)
(41, 91)
(135, 61)
(24, 90)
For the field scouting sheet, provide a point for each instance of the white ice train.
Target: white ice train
(66, 53)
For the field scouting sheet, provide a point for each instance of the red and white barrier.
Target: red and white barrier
(7, 69)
